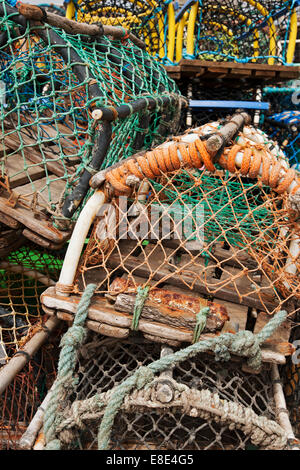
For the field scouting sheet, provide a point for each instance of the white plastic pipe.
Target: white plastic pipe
(77, 240)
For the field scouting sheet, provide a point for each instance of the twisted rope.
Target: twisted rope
(205, 404)
(243, 343)
(194, 155)
(70, 343)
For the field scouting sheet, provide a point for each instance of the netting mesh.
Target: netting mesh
(283, 120)
(21, 399)
(245, 31)
(24, 275)
(242, 31)
(51, 82)
(104, 363)
(223, 235)
(146, 19)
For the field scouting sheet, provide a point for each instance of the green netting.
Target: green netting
(24, 275)
(234, 206)
(51, 83)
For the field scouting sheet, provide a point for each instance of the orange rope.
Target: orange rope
(194, 155)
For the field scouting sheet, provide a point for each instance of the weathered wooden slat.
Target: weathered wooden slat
(26, 217)
(100, 311)
(228, 70)
(189, 275)
(14, 169)
(32, 152)
(9, 221)
(167, 307)
(51, 188)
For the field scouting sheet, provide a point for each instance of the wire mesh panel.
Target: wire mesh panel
(242, 31)
(52, 81)
(145, 422)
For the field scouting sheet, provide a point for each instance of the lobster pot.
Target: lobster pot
(199, 404)
(24, 274)
(186, 240)
(51, 83)
(242, 31)
(291, 379)
(282, 122)
(147, 20)
(284, 128)
(212, 101)
(22, 397)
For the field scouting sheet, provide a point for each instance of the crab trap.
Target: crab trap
(241, 31)
(191, 242)
(74, 98)
(195, 404)
(27, 366)
(149, 20)
(283, 121)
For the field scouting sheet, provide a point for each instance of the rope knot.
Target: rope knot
(221, 353)
(244, 343)
(144, 375)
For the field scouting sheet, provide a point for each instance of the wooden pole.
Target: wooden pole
(226, 133)
(34, 12)
(17, 362)
(281, 410)
(29, 437)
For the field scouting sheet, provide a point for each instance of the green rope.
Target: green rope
(70, 343)
(141, 296)
(243, 343)
(201, 318)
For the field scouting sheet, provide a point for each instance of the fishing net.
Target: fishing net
(52, 82)
(23, 396)
(188, 238)
(283, 120)
(291, 380)
(198, 404)
(242, 31)
(51, 7)
(146, 19)
(24, 275)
